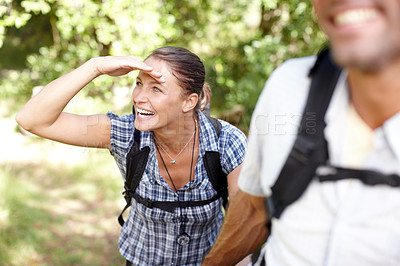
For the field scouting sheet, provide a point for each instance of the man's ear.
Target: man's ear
(190, 102)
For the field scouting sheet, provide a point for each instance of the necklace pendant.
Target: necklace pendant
(173, 162)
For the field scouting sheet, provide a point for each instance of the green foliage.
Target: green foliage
(287, 29)
(240, 41)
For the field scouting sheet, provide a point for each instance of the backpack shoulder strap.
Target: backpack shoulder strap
(216, 124)
(136, 162)
(213, 167)
(310, 147)
(217, 177)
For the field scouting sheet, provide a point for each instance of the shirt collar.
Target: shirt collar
(337, 110)
(147, 140)
(391, 129)
(207, 135)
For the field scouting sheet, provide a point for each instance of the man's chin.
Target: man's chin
(366, 59)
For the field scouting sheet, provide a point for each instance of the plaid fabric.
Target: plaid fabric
(149, 235)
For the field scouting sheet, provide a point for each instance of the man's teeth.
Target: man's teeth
(355, 16)
(144, 112)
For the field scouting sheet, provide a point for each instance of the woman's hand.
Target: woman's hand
(43, 114)
(121, 65)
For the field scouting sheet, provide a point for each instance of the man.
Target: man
(342, 222)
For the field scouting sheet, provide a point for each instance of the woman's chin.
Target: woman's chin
(144, 125)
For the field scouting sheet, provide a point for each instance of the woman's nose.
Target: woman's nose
(139, 95)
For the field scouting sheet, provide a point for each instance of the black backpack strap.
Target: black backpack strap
(368, 177)
(217, 177)
(212, 163)
(216, 124)
(310, 147)
(136, 162)
(170, 206)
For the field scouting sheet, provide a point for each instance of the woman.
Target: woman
(166, 103)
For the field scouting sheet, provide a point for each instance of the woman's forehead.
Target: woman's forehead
(158, 65)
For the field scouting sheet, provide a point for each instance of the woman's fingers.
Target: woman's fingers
(122, 65)
(149, 70)
(157, 76)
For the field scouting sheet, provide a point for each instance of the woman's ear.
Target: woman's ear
(190, 102)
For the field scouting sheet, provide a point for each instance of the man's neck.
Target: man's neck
(376, 96)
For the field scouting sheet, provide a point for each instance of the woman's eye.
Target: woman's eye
(156, 89)
(138, 83)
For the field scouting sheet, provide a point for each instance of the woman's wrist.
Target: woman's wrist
(93, 67)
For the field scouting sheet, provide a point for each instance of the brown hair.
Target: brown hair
(205, 96)
(186, 67)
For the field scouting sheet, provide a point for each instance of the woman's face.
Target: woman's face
(157, 105)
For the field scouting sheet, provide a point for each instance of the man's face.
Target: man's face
(364, 34)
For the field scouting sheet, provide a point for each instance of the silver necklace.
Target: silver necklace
(183, 238)
(173, 161)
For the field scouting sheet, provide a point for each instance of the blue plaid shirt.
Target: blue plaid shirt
(148, 237)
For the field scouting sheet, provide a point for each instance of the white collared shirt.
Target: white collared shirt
(333, 223)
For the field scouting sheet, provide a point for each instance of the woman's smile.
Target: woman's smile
(144, 114)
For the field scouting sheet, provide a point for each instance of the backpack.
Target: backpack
(309, 153)
(136, 162)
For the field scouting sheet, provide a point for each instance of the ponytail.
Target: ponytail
(205, 97)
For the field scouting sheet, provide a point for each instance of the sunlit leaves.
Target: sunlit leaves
(240, 41)
(37, 6)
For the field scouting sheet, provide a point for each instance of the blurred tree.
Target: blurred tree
(286, 29)
(240, 41)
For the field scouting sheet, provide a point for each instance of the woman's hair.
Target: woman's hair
(188, 70)
(205, 98)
